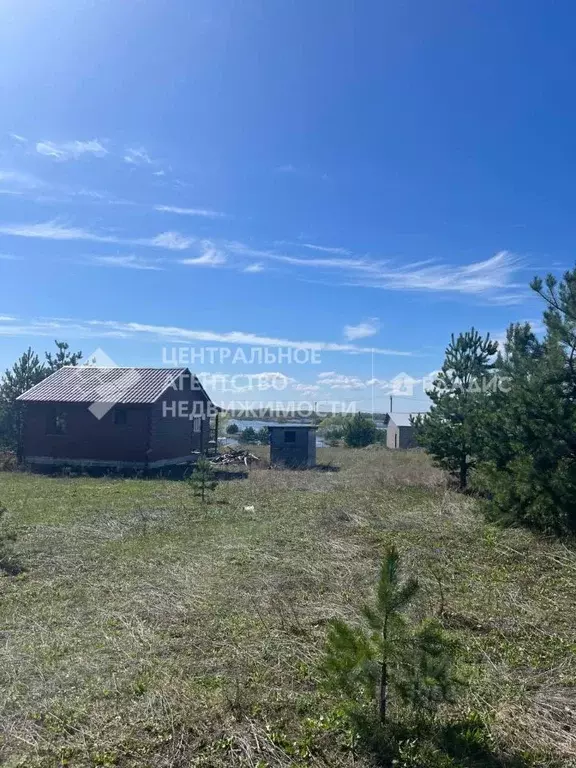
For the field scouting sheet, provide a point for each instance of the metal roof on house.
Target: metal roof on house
(401, 419)
(89, 384)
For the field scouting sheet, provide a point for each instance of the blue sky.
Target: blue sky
(354, 175)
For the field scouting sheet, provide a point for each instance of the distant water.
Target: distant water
(256, 424)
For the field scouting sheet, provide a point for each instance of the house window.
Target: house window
(56, 422)
(290, 436)
(197, 424)
(120, 416)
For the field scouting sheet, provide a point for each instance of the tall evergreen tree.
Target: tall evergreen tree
(61, 357)
(26, 372)
(529, 458)
(450, 430)
(516, 373)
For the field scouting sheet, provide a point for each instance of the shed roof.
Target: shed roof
(89, 383)
(401, 419)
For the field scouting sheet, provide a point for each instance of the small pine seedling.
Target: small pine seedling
(388, 654)
(203, 478)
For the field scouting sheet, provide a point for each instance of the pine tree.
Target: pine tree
(203, 478)
(516, 370)
(248, 435)
(26, 372)
(387, 658)
(359, 431)
(263, 436)
(61, 357)
(529, 458)
(452, 428)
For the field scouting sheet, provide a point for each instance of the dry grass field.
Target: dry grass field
(149, 629)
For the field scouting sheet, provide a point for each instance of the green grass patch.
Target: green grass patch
(149, 629)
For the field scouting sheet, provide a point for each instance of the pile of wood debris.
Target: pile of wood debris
(235, 456)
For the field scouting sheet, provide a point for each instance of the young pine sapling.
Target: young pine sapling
(203, 478)
(388, 658)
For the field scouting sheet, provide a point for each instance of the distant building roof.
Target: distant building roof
(401, 419)
(287, 425)
(89, 383)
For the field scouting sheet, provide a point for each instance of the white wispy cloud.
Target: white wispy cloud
(137, 156)
(22, 183)
(362, 330)
(334, 380)
(187, 335)
(9, 257)
(56, 230)
(175, 333)
(402, 384)
(174, 241)
(17, 137)
(358, 265)
(210, 256)
(202, 212)
(167, 333)
(14, 326)
(93, 196)
(490, 278)
(124, 261)
(254, 268)
(71, 150)
(327, 249)
(306, 389)
(20, 180)
(299, 261)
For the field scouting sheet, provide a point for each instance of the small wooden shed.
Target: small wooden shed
(293, 445)
(400, 432)
(126, 418)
